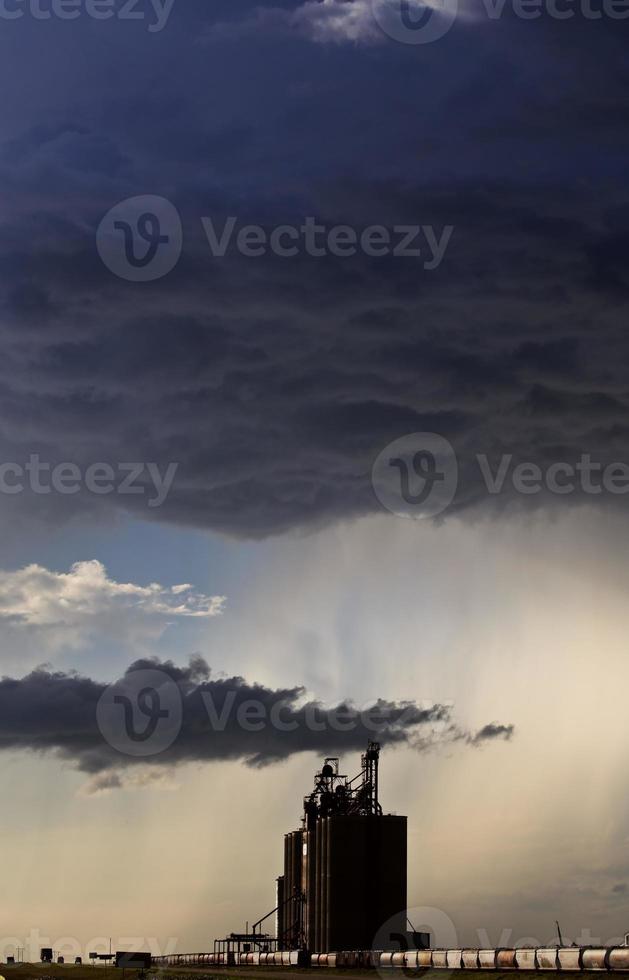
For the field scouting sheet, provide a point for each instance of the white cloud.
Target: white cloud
(49, 611)
(321, 21)
(337, 20)
(39, 597)
(349, 21)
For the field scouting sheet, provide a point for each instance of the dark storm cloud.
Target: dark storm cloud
(272, 382)
(215, 719)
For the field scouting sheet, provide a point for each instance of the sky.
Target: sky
(313, 397)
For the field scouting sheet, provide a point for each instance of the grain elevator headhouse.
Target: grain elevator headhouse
(345, 870)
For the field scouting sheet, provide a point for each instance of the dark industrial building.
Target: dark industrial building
(344, 881)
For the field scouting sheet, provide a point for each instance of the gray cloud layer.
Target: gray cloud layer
(275, 382)
(56, 712)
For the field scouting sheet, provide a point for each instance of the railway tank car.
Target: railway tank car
(551, 959)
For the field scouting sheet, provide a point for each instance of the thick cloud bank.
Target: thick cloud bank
(160, 715)
(273, 382)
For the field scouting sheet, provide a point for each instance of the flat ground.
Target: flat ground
(35, 971)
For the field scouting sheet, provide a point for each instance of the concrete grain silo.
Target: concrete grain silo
(345, 870)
